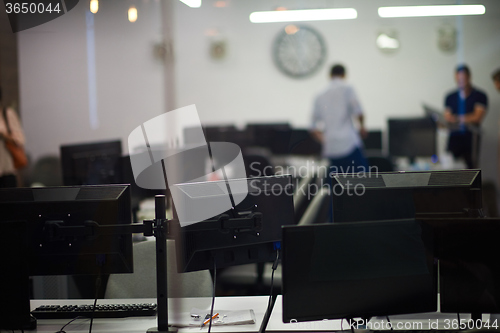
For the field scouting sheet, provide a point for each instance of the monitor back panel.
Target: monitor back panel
(359, 269)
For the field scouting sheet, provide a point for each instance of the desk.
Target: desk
(142, 324)
(257, 303)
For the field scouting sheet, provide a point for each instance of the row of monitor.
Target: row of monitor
(402, 248)
(104, 163)
(407, 137)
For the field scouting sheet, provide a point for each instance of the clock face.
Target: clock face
(299, 51)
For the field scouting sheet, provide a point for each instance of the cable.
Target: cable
(270, 303)
(69, 322)
(275, 265)
(97, 286)
(213, 299)
(389, 322)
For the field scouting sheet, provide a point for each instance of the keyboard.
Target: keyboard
(101, 311)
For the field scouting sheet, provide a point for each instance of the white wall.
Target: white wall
(54, 81)
(246, 86)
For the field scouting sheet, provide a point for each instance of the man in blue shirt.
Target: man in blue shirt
(465, 109)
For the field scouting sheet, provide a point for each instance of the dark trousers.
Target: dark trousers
(465, 145)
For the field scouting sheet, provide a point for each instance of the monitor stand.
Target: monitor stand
(15, 281)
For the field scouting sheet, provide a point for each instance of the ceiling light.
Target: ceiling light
(94, 6)
(304, 15)
(132, 14)
(420, 11)
(192, 3)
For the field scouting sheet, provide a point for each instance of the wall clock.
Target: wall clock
(299, 51)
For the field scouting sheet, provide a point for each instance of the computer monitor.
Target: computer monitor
(469, 269)
(217, 133)
(362, 269)
(397, 195)
(373, 141)
(30, 245)
(262, 134)
(92, 163)
(295, 141)
(412, 137)
(228, 239)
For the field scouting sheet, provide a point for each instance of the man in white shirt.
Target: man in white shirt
(332, 124)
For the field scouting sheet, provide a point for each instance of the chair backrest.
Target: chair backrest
(142, 283)
(47, 171)
(317, 210)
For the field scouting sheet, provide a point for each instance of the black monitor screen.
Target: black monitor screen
(392, 195)
(469, 269)
(93, 163)
(294, 141)
(262, 135)
(363, 269)
(412, 137)
(236, 242)
(217, 133)
(373, 140)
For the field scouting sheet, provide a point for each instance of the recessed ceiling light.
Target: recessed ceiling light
(94, 6)
(132, 14)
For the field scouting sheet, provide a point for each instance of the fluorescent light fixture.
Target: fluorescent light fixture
(192, 3)
(420, 11)
(304, 15)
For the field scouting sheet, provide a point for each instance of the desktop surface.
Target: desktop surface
(142, 324)
(257, 303)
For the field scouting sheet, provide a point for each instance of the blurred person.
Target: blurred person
(332, 124)
(465, 109)
(496, 79)
(8, 177)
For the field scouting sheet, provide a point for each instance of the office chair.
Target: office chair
(142, 283)
(383, 163)
(46, 172)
